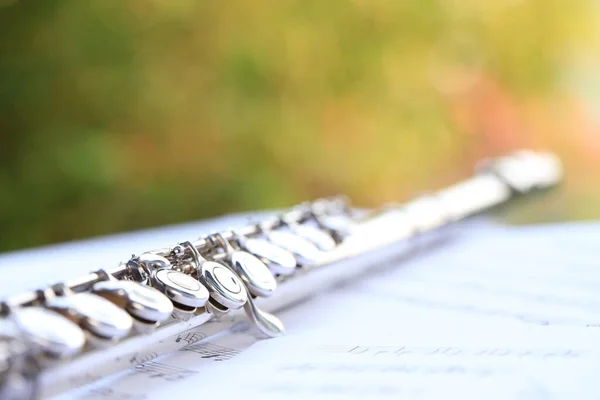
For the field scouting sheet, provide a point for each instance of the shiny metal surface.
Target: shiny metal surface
(259, 281)
(304, 250)
(224, 286)
(254, 273)
(316, 236)
(343, 225)
(141, 301)
(280, 260)
(54, 334)
(426, 213)
(153, 261)
(268, 324)
(94, 314)
(180, 288)
(17, 368)
(526, 170)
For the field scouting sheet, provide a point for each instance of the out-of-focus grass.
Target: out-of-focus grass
(120, 115)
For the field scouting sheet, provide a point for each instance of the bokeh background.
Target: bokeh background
(120, 115)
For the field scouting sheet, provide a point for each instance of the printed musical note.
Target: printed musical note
(167, 372)
(138, 358)
(213, 351)
(190, 337)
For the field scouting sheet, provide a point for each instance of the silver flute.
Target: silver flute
(71, 333)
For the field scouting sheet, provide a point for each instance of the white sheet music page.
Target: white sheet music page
(500, 312)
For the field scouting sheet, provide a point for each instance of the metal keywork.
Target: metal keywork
(254, 273)
(259, 282)
(151, 261)
(185, 292)
(306, 230)
(18, 373)
(53, 334)
(305, 251)
(226, 289)
(143, 265)
(18, 365)
(101, 318)
(279, 261)
(341, 225)
(333, 216)
(267, 323)
(147, 306)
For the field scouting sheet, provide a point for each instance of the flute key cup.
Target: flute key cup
(186, 293)
(279, 261)
(105, 321)
(254, 273)
(53, 334)
(145, 305)
(259, 282)
(226, 289)
(318, 237)
(309, 229)
(306, 253)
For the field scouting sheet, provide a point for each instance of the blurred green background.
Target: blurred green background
(119, 115)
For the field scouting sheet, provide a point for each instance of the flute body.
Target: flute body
(75, 332)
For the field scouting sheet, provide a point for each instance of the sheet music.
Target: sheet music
(489, 368)
(177, 373)
(520, 365)
(501, 312)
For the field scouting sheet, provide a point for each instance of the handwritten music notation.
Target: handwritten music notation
(154, 369)
(213, 351)
(397, 370)
(532, 316)
(455, 351)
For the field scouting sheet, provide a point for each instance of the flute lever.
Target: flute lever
(259, 281)
(267, 323)
(228, 291)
